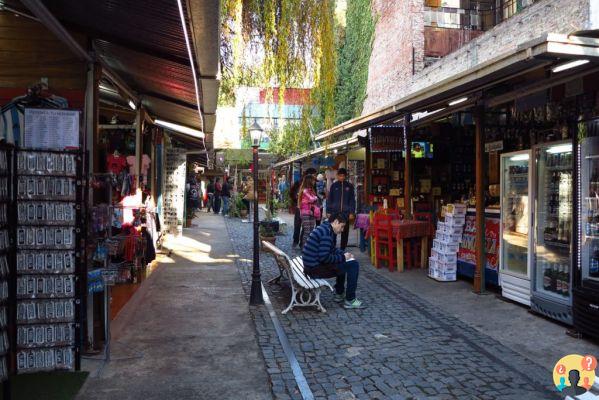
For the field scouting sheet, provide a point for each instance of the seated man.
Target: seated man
(322, 260)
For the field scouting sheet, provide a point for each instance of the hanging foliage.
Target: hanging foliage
(277, 43)
(354, 57)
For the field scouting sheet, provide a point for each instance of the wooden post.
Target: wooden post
(138, 149)
(479, 272)
(367, 169)
(94, 149)
(408, 166)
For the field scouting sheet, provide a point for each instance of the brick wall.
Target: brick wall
(399, 28)
(390, 75)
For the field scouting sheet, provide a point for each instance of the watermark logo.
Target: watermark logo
(574, 374)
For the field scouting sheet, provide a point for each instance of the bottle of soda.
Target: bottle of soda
(553, 276)
(546, 276)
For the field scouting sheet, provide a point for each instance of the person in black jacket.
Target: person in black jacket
(210, 191)
(342, 200)
(226, 196)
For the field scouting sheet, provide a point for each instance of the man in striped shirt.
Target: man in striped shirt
(323, 260)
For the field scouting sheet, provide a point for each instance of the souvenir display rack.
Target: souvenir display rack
(49, 255)
(6, 262)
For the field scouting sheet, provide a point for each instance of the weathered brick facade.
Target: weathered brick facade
(400, 27)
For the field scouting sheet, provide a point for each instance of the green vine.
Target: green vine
(354, 57)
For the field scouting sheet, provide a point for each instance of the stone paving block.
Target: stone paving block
(399, 346)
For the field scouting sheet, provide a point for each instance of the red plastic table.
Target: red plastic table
(407, 229)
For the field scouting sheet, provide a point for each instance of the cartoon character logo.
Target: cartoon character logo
(574, 374)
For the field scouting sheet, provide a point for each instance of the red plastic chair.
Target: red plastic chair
(385, 242)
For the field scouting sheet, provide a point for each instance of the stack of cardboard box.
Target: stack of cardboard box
(444, 255)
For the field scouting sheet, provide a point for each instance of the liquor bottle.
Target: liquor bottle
(558, 278)
(553, 276)
(566, 281)
(594, 264)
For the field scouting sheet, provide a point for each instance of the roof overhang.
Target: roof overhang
(142, 47)
(545, 51)
(334, 146)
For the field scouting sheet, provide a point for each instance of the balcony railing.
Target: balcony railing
(448, 27)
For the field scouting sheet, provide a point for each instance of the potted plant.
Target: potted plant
(267, 233)
(241, 208)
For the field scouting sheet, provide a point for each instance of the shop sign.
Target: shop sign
(494, 146)
(51, 129)
(386, 139)
(467, 251)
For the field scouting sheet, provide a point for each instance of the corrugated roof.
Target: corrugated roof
(143, 42)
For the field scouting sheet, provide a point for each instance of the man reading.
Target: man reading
(323, 260)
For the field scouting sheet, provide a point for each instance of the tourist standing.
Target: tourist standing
(210, 191)
(226, 196)
(218, 188)
(309, 209)
(341, 200)
(293, 196)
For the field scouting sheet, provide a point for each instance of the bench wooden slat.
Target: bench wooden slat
(305, 281)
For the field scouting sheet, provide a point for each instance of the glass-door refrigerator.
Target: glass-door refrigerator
(551, 263)
(586, 285)
(514, 274)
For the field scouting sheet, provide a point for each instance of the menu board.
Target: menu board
(51, 129)
(384, 139)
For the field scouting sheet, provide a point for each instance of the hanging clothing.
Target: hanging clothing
(115, 164)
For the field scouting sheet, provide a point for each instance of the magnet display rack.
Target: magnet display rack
(6, 263)
(49, 259)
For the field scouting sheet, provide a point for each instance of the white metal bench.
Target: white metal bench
(305, 291)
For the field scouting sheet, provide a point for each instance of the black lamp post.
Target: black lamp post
(256, 291)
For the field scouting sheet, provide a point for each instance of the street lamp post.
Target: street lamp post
(256, 291)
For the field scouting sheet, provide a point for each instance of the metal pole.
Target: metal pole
(256, 291)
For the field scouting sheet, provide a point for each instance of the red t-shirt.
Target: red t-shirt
(116, 164)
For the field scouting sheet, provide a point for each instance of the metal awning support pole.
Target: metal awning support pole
(479, 272)
(38, 9)
(407, 137)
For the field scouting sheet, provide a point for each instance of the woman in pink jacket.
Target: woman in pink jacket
(309, 207)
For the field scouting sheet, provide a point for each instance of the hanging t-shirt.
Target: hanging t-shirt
(115, 163)
(145, 164)
(131, 164)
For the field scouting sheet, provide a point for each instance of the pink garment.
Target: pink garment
(309, 205)
(129, 203)
(131, 162)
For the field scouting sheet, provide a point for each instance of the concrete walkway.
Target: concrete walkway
(187, 333)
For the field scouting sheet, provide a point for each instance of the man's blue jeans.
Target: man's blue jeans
(225, 205)
(348, 270)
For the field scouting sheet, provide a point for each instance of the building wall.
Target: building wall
(390, 75)
(398, 48)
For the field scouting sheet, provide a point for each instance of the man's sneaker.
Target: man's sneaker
(354, 304)
(339, 297)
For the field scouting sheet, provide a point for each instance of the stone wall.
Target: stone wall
(390, 76)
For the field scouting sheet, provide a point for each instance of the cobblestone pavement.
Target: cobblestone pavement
(400, 347)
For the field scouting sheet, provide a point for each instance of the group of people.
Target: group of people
(318, 239)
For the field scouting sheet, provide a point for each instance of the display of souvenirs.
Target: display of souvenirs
(47, 214)
(5, 247)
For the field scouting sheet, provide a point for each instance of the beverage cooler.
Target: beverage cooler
(586, 284)
(514, 274)
(552, 214)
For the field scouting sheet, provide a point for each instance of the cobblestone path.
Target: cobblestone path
(400, 347)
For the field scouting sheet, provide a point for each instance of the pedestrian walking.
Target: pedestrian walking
(218, 189)
(342, 200)
(321, 192)
(283, 188)
(248, 198)
(309, 208)
(226, 196)
(210, 191)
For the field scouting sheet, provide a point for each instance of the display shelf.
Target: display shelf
(39, 321)
(42, 346)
